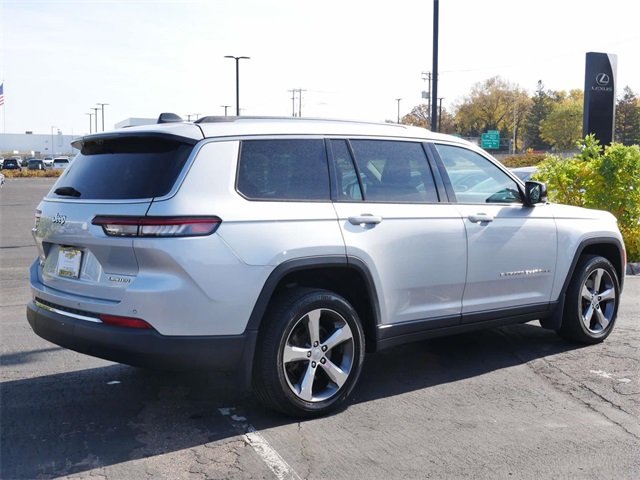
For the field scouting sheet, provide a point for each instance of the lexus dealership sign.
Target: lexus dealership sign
(600, 96)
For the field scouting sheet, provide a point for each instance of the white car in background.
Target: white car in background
(48, 161)
(60, 163)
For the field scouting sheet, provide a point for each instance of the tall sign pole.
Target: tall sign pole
(600, 96)
(434, 90)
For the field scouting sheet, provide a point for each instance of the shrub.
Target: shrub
(528, 160)
(23, 173)
(605, 180)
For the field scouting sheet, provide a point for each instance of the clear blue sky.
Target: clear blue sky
(353, 58)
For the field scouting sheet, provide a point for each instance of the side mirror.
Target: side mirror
(535, 192)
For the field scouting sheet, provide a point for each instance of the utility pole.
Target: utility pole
(426, 76)
(398, 100)
(440, 114)
(90, 115)
(225, 109)
(293, 101)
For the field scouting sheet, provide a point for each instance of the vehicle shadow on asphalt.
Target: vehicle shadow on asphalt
(64, 424)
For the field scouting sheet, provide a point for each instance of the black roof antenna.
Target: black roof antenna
(169, 118)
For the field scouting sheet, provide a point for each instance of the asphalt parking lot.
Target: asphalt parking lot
(513, 402)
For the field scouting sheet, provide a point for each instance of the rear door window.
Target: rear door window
(124, 168)
(283, 170)
(394, 171)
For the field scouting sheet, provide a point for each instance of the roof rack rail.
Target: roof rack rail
(216, 119)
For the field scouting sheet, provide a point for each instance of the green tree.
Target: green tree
(541, 107)
(628, 118)
(563, 126)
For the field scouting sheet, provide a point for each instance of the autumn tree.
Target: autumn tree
(420, 116)
(563, 126)
(492, 105)
(628, 118)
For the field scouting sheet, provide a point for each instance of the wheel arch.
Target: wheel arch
(610, 248)
(346, 276)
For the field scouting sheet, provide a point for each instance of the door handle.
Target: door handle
(365, 219)
(480, 218)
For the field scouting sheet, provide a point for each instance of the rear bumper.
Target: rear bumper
(147, 348)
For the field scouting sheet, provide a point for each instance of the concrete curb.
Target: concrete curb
(633, 268)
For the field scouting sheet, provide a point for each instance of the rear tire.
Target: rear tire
(309, 354)
(592, 301)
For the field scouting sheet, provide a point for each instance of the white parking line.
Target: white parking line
(274, 461)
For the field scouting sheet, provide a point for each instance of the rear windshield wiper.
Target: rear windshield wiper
(67, 192)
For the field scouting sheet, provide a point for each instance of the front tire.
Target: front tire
(592, 301)
(310, 352)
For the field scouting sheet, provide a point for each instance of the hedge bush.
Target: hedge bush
(24, 173)
(528, 160)
(606, 179)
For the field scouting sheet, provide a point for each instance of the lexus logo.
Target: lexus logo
(602, 79)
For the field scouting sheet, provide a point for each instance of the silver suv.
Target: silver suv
(283, 249)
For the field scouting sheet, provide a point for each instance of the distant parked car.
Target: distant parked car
(1, 162)
(35, 164)
(524, 173)
(18, 158)
(60, 163)
(11, 164)
(48, 160)
(1, 180)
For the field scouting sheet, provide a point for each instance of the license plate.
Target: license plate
(69, 262)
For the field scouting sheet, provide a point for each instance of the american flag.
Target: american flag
(1, 93)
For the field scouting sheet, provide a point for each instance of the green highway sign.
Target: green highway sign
(491, 139)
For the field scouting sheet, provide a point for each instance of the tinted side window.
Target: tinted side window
(393, 171)
(283, 170)
(475, 179)
(125, 168)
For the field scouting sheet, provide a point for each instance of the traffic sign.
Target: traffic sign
(491, 139)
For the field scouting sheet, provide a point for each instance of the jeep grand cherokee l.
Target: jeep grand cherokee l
(283, 249)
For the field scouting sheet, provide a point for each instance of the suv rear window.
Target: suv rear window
(283, 170)
(125, 168)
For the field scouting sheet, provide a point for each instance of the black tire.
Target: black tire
(592, 301)
(309, 354)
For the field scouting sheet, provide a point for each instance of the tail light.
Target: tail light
(157, 226)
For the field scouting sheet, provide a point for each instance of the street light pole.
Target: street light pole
(53, 154)
(95, 110)
(90, 115)
(434, 93)
(225, 109)
(102, 108)
(398, 100)
(237, 59)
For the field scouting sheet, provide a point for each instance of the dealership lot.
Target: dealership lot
(511, 402)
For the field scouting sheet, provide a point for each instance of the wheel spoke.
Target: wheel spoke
(609, 294)
(586, 293)
(586, 316)
(306, 385)
(602, 320)
(597, 280)
(294, 354)
(313, 325)
(339, 336)
(335, 373)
